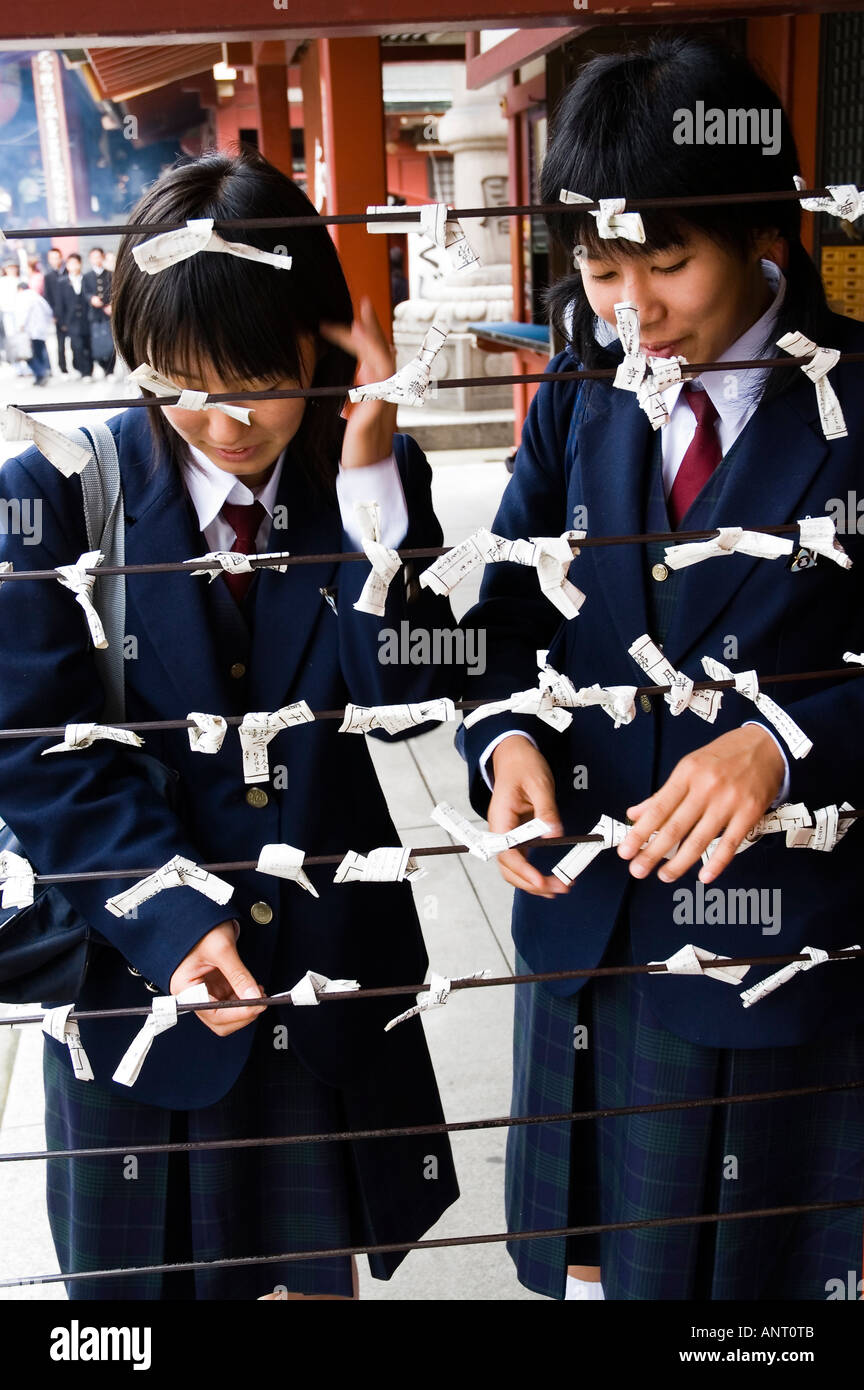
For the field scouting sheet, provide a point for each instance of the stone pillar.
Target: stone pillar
(475, 131)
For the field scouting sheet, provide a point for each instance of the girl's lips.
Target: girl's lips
(236, 455)
(661, 349)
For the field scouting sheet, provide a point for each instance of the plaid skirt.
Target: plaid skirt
(679, 1163)
(142, 1209)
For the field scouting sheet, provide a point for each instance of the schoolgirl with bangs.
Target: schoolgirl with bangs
(196, 481)
(745, 447)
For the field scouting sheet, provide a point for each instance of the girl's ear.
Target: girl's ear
(770, 245)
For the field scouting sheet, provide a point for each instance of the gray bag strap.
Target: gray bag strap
(104, 518)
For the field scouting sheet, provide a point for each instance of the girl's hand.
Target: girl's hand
(724, 787)
(369, 432)
(524, 788)
(214, 961)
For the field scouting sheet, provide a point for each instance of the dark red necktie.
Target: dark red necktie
(246, 520)
(702, 456)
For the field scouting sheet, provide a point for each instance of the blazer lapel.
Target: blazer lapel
(170, 607)
(287, 607)
(779, 453)
(614, 452)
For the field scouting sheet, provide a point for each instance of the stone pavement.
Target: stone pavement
(464, 906)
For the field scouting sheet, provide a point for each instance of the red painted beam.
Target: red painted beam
(53, 23)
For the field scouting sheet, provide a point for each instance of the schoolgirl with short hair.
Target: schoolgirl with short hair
(198, 481)
(711, 282)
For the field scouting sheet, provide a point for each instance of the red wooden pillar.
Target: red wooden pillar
(274, 119)
(353, 143)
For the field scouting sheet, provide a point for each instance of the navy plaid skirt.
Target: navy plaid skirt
(142, 1209)
(602, 1048)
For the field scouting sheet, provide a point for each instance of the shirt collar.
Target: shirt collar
(210, 486)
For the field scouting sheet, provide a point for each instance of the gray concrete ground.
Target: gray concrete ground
(464, 906)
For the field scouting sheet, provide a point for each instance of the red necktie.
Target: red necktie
(702, 456)
(246, 520)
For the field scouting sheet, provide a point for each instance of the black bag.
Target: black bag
(45, 947)
(101, 338)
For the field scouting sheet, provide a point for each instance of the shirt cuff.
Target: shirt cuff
(783, 794)
(490, 749)
(380, 482)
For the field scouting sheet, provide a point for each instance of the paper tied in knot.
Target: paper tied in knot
(788, 972)
(208, 732)
(693, 960)
(618, 701)
(612, 220)
(258, 728)
(235, 562)
(647, 376)
(857, 657)
(168, 248)
(824, 832)
(163, 1015)
(436, 996)
(830, 413)
(176, 873)
(411, 383)
(433, 223)
(66, 454)
(786, 819)
(747, 684)
(57, 1024)
(385, 562)
(308, 991)
(484, 844)
(284, 861)
(550, 701)
(83, 735)
(846, 200)
(818, 534)
(577, 859)
(76, 578)
(149, 379)
(19, 880)
(6, 567)
(383, 865)
(552, 558)
(729, 540)
(681, 695)
(362, 719)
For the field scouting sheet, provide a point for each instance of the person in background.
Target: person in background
(74, 318)
(54, 277)
(35, 277)
(97, 290)
(9, 282)
(34, 319)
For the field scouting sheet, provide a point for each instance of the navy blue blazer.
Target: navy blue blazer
(588, 447)
(93, 809)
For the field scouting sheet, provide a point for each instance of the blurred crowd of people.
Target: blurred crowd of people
(61, 305)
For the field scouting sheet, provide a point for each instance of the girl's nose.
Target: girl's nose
(225, 432)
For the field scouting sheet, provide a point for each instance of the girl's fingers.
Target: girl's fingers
(674, 829)
(517, 871)
(651, 815)
(706, 829)
(725, 852)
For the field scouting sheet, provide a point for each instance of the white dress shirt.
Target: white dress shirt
(735, 396)
(209, 486)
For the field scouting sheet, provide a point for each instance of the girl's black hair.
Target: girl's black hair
(613, 136)
(242, 317)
